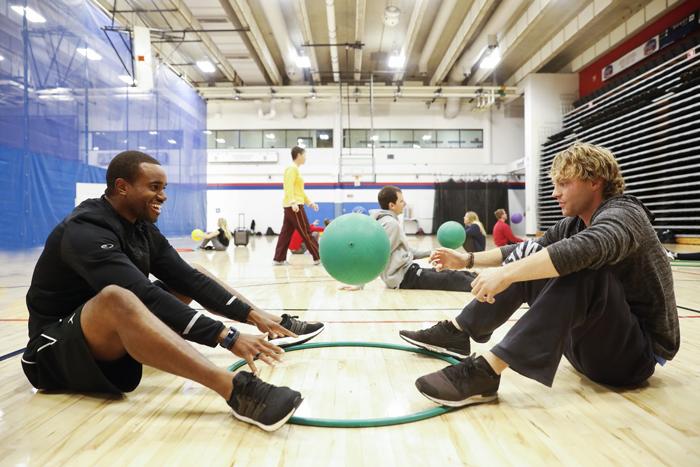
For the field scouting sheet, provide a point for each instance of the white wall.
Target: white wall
(503, 143)
(548, 97)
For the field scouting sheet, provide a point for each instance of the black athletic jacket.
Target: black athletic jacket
(95, 247)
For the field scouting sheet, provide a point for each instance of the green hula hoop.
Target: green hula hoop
(365, 422)
(685, 263)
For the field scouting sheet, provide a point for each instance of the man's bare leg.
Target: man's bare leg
(498, 365)
(115, 322)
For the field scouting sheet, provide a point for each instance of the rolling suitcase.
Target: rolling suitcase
(240, 235)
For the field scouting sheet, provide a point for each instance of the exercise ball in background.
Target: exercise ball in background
(354, 249)
(198, 235)
(516, 218)
(451, 234)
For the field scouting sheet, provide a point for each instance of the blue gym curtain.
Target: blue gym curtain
(65, 112)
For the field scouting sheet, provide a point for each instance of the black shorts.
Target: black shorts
(60, 359)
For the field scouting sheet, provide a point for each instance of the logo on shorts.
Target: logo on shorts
(107, 246)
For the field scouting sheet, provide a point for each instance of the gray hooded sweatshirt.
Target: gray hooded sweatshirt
(622, 239)
(401, 255)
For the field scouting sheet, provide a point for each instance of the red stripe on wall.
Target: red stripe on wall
(590, 77)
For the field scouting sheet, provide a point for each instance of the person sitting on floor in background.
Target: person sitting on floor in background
(476, 234)
(219, 239)
(677, 256)
(502, 234)
(401, 272)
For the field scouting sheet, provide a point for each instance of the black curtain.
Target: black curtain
(454, 198)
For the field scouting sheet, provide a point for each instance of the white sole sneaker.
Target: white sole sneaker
(476, 399)
(289, 341)
(433, 348)
(274, 427)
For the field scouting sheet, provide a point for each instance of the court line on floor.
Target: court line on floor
(12, 354)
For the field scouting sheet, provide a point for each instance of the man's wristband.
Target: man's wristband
(230, 338)
(470, 261)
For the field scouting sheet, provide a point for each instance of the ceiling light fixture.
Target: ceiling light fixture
(396, 60)
(206, 66)
(391, 15)
(31, 15)
(491, 55)
(126, 79)
(303, 61)
(490, 59)
(88, 53)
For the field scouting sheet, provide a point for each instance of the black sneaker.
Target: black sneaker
(259, 403)
(471, 381)
(442, 338)
(303, 329)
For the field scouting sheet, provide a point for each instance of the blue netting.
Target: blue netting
(64, 116)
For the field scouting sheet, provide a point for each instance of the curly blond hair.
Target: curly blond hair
(585, 161)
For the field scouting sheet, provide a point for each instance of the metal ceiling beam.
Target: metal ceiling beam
(179, 8)
(305, 25)
(437, 29)
(333, 38)
(223, 62)
(233, 18)
(413, 27)
(476, 15)
(239, 11)
(360, 8)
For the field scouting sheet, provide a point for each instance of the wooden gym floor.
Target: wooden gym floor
(171, 421)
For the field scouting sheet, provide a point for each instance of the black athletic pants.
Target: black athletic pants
(583, 316)
(430, 279)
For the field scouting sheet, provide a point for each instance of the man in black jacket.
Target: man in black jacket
(95, 317)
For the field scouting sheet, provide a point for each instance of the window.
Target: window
(251, 139)
(424, 138)
(211, 139)
(448, 138)
(324, 138)
(303, 138)
(274, 138)
(268, 138)
(471, 138)
(226, 139)
(402, 138)
(417, 139)
(356, 139)
(380, 138)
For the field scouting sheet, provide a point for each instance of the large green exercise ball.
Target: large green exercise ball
(354, 249)
(451, 234)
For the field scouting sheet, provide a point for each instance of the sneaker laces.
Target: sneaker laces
(293, 324)
(462, 370)
(252, 396)
(445, 324)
